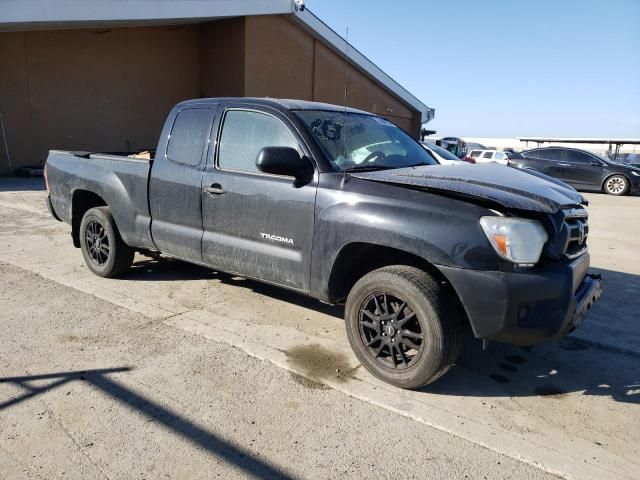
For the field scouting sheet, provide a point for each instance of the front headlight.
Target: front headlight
(518, 240)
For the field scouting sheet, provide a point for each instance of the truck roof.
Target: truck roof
(278, 103)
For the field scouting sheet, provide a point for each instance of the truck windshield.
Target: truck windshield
(354, 141)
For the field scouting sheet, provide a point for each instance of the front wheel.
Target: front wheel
(403, 326)
(104, 251)
(616, 185)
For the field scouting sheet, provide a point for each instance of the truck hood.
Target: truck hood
(506, 186)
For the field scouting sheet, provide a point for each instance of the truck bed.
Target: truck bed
(143, 155)
(118, 179)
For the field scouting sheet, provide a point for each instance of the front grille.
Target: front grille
(577, 222)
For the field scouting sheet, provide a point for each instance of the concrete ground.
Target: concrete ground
(176, 371)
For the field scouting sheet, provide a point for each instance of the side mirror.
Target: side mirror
(284, 161)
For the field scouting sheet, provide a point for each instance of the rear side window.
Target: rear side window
(487, 154)
(574, 156)
(545, 154)
(550, 154)
(245, 133)
(188, 135)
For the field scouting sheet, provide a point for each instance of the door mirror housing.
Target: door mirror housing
(284, 161)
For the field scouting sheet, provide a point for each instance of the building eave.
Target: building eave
(17, 15)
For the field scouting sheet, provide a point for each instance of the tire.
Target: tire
(616, 185)
(104, 251)
(435, 317)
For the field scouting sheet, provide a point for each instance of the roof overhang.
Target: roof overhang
(24, 15)
(17, 15)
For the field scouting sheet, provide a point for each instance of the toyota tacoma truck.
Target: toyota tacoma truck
(346, 207)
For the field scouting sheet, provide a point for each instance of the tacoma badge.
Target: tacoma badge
(277, 238)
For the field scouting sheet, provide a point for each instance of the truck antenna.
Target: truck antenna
(344, 123)
(346, 69)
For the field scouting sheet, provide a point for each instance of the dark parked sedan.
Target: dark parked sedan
(581, 169)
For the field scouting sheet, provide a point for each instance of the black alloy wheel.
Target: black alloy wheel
(403, 325)
(391, 330)
(97, 243)
(103, 249)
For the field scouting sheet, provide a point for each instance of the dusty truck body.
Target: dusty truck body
(343, 206)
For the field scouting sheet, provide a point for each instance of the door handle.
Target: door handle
(215, 189)
(564, 164)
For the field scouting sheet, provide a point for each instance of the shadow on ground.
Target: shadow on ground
(546, 370)
(100, 379)
(551, 369)
(169, 270)
(22, 184)
(590, 364)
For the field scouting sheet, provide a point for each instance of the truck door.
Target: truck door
(175, 187)
(255, 224)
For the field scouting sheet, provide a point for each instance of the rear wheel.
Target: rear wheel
(104, 251)
(616, 185)
(403, 326)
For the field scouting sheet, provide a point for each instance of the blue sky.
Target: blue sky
(506, 67)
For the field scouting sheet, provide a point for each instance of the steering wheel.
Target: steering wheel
(373, 155)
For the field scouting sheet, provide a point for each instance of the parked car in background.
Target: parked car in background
(475, 146)
(581, 169)
(442, 155)
(489, 156)
(474, 154)
(631, 159)
(455, 145)
(512, 155)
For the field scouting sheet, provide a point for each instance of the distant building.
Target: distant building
(101, 75)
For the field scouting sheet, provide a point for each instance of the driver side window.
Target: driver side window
(245, 133)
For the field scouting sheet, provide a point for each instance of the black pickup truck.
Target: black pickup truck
(344, 206)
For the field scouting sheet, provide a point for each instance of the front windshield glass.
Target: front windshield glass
(443, 152)
(354, 141)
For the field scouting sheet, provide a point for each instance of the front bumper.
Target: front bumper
(527, 307)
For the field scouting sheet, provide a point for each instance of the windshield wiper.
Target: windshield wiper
(417, 165)
(366, 168)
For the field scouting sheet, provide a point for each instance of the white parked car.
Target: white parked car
(442, 155)
(489, 156)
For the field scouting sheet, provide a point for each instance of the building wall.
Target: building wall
(14, 100)
(110, 89)
(278, 60)
(222, 65)
(92, 89)
(282, 60)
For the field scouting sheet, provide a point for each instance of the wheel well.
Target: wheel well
(82, 201)
(357, 259)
